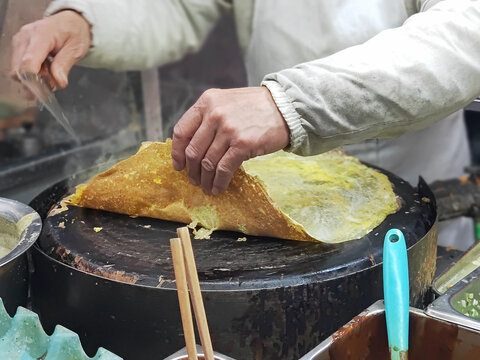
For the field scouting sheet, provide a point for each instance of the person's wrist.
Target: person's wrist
(284, 129)
(84, 27)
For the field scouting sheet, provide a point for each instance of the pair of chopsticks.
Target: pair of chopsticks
(186, 278)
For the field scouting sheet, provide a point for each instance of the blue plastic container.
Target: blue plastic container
(22, 338)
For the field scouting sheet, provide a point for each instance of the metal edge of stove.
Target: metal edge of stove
(442, 309)
(320, 352)
(458, 270)
(82, 157)
(474, 105)
(182, 355)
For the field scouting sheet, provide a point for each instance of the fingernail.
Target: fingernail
(176, 165)
(194, 182)
(63, 79)
(215, 191)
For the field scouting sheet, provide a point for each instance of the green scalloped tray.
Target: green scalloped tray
(23, 338)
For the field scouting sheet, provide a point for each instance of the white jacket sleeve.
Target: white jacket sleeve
(401, 80)
(159, 31)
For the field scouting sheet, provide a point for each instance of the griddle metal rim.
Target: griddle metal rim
(170, 286)
(272, 285)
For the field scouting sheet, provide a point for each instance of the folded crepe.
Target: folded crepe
(330, 197)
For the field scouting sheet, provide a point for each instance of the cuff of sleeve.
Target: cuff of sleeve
(427, 4)
(298, 135)
(80, 6)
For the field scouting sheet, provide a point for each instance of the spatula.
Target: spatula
(396, 293)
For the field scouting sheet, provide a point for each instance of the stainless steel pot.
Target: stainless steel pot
(20, 225)
(365, 338)
(183, 355)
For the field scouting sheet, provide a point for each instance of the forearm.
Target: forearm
(134, 35)
(402, 80)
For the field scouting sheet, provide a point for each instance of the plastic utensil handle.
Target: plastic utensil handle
(396, 292)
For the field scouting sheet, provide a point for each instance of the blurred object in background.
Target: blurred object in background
(472, 118)
(35, 150)
(15, 108)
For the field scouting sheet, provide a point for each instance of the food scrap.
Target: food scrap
(58, 209)
(469, 305)
(97, 228)
(241, 239)
(62, 225)
(202, 233)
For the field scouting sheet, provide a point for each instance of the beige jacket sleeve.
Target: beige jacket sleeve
(401, 80)
(159, 31)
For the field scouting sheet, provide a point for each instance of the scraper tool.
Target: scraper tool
(396, 293)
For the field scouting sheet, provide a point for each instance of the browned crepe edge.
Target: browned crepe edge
(245, 206)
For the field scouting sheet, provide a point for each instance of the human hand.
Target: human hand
(64, 36)
(223, 129)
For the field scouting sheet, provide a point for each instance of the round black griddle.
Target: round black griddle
(265, 298)
(137, 250)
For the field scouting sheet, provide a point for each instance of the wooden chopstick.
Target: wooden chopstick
(196, 293)
(183, 297)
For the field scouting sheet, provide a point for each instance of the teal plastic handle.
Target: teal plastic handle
(396, 292)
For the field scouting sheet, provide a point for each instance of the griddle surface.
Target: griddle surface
(137, 250)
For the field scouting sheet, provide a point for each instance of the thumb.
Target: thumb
(62, 64)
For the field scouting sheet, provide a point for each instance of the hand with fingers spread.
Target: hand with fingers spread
(65, 37)
(223, 129)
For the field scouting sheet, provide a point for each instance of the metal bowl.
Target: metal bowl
(444, 307)
(183, 355)
(23, 223)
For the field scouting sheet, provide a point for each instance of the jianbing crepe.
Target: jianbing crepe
(329, 197)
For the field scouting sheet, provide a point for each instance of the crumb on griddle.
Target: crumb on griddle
(202, 233)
